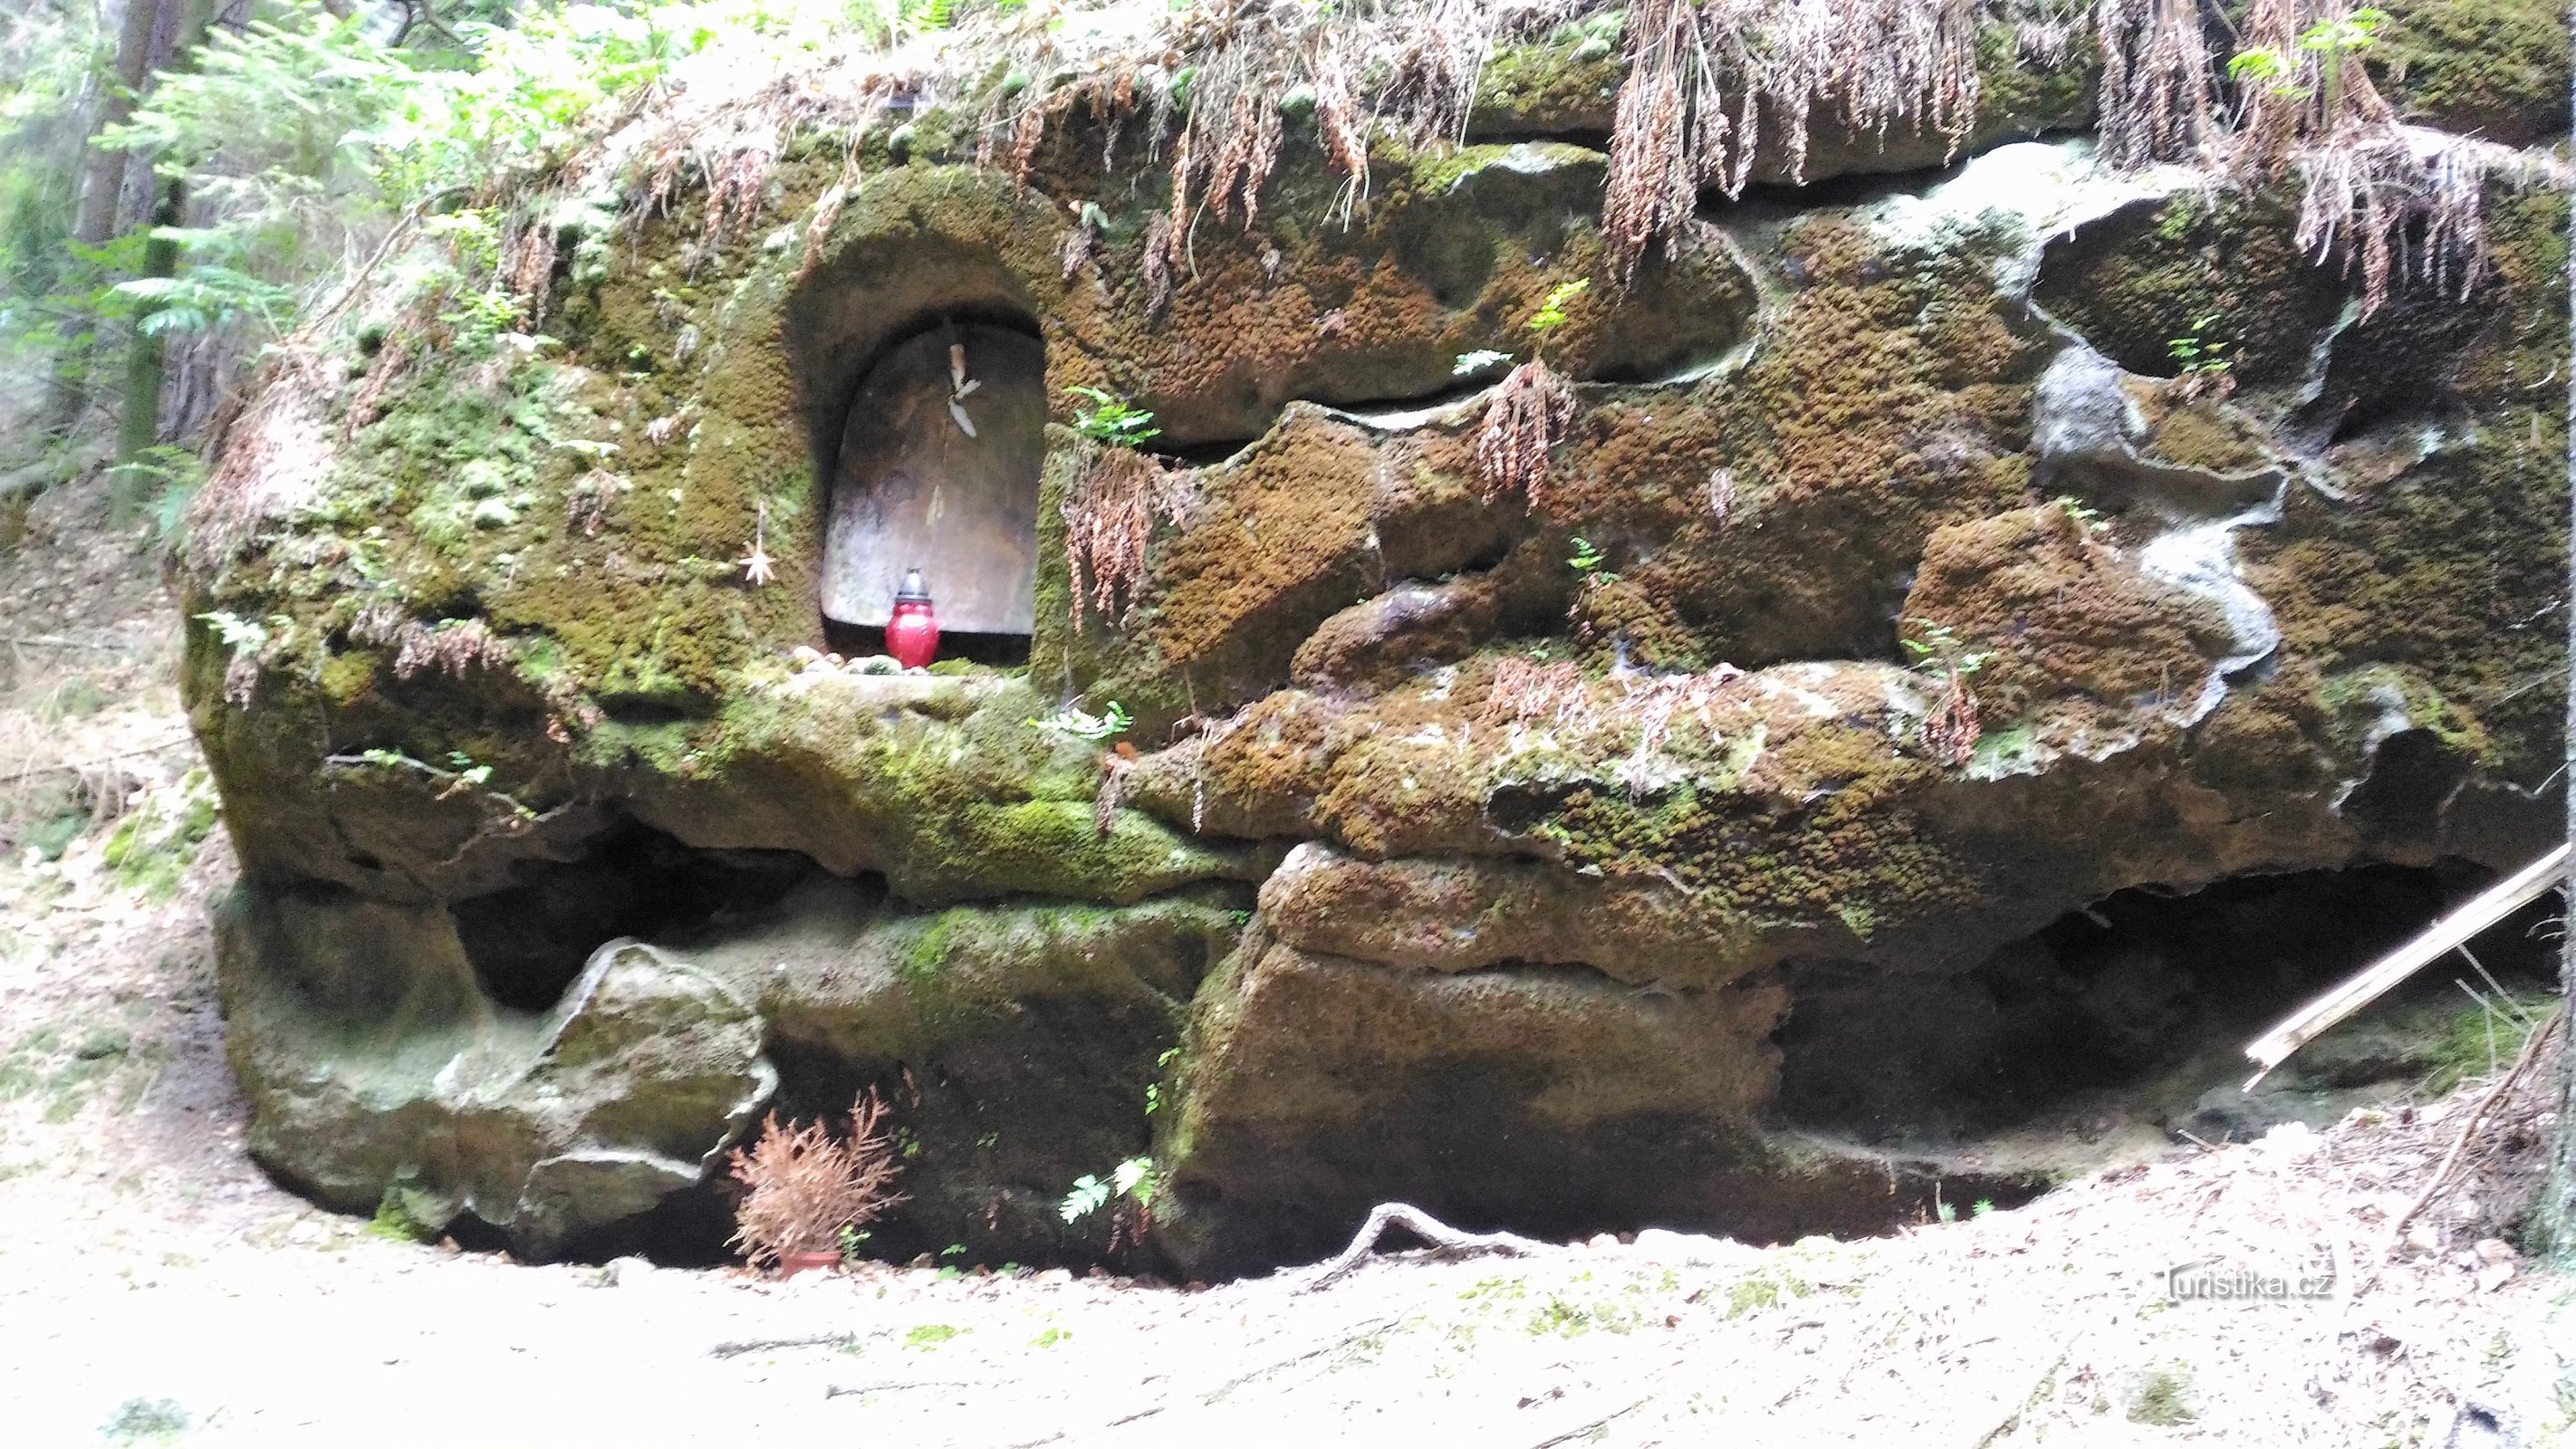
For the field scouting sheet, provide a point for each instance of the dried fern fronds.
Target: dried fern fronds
(450, 648)
(1527, 694)
(803, 1186)
(1668, 135)
(2159, 84)
(1877, 65)
(1109, 519)
(2398, 203)
(1526, 418)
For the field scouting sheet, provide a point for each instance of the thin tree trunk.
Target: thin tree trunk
(147, 355)
(102, 185)
(2555, 1218)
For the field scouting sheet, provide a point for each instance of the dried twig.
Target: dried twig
(2460, 1143)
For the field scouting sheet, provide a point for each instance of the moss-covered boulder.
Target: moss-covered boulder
(1382, 803)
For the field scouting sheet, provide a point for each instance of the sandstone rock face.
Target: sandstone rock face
(1550, 856)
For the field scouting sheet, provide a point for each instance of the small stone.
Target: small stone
(2494, 1250)
(805, 654)
(834, 660)
(623, 1272)
(2423, 1239)
(1602, 1242)
(1056, 1276)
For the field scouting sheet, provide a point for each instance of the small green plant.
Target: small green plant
(1111, 420)
(2196, 353)
(1050, 1338)
(400, 1217)
(1154, 1090)
(2163, 1399)
(1134, 1179)
(244, 637)
(1937, 649)
(1128, 1193)
(930, 1335)
(1951, 727)
(1591, 563)
(1551, 313)
(853, 1240)
(1984, 1205)
(2088, 519)
(1093, 727)
(1752, 1295)
(153, 846)
(2333, 38)
(145, 1421)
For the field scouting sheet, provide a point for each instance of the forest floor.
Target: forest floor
(156, 1288)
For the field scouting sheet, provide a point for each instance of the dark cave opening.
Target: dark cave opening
(529, 942)
(2137, 1008)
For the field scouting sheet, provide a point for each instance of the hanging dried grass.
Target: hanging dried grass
(1526, 418)
(2159, 86)
(1082, 242)
(1876, 65)
(451, 648)
(1109, 520)
(803, 1186)
(2390, 202)
(1116, 771)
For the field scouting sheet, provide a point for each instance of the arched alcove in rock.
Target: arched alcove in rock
(938, 470)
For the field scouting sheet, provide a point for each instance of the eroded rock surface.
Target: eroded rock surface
(1470, 847)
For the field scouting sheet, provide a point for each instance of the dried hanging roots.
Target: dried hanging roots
(1109, 519)
(1526, 418)
(1876, 65)
(2377, 197)
(803, 1185)
(1951, 730)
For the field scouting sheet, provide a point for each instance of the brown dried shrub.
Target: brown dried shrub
(1530, 411)
(802, 1185)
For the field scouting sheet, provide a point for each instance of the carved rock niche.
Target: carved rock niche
(938, 470)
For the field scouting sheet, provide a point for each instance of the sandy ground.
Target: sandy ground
(155, 1288)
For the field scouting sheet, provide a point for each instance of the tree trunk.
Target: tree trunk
(2554, 1218)
(102, 185)
(147, 355)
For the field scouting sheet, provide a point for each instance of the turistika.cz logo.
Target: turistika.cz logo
(2208, 1279)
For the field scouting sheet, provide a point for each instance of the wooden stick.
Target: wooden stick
(2355, 992)
(1444, 1239)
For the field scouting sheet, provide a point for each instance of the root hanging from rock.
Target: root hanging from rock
(1108, 522)
(1877, 65)
(2159, 82)
(1445, 1241)
(1528, 416)
(1951, 731)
